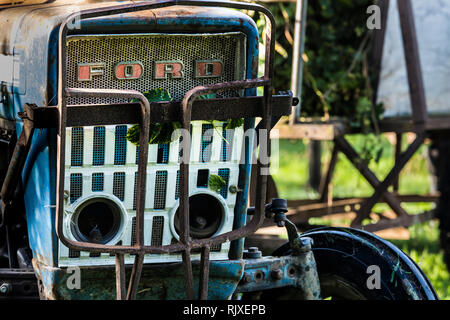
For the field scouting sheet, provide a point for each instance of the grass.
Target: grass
(291, 178)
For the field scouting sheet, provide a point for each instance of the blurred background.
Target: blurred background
(338, 83)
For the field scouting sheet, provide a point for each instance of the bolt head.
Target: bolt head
(5, 288)
(277, 274)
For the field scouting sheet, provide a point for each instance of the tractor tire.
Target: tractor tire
(343, 257)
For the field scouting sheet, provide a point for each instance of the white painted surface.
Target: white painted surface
(432, 20)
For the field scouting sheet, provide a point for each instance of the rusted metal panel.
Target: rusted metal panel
(158, 281)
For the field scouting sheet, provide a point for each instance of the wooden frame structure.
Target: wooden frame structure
(335, 130)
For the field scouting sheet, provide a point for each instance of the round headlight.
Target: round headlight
(206, 214)
(97, 220)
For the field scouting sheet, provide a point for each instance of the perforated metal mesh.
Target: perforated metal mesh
(133, 231)
(120, 146)
(148, 48)
(157, 230)
(177, 186)
(137, 155)
(207, 138)
(76, 186)
(77, 147)
(135, 190)
(160, 190)
(74, 253)
(225, 151)
(98, 152)
(225, 175)
(97, 181)
(119, 185)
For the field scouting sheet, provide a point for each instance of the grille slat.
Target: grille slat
(119, 185)
(120, 147)
(133, 231)
(225, 175)
(77, 147)
(157, 230)
(98, 152)
(177, 186)
(76, 186)
(207, 138)
(97, 181)
(225, 152)
(74, 253)
(160, 190)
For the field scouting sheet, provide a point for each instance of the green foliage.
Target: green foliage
(335, 74)
(423, 245)
(216, 183)
(160, 133)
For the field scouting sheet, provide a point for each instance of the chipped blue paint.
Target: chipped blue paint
(158, 282)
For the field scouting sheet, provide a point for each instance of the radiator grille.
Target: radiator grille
(119, 185)
(98, 152)
(160, 189)
(147, 48)
(207, 136)
(97, 181)
(137, 155)
(157, 231)
(74, 253)
(120, 147)
(177, 185)
(76, 186)
(225, 151)
(135, 190)
(133, 231)
(225, 175)
(77, 147)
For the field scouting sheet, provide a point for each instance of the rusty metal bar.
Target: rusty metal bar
(204, 274)
(16, 165)
(120, 277)
(135, 276)
(188, 275)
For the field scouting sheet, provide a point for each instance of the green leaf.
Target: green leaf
(216, 183)
(160, 133)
